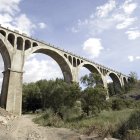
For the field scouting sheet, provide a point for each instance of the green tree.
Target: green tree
(94, 96)
(31, 97)
(133, 77)
(91, 80)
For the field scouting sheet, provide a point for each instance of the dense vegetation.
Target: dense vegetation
(67, 105)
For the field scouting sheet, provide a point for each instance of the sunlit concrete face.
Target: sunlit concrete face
(15, 48)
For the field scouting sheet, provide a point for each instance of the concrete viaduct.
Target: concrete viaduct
(15, 48)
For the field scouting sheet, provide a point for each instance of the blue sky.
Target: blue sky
(105, 31)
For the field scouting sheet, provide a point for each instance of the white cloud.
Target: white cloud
(137, 57)
(10, 16)
(104, 10)
(129, 6)
(126, 23)
(9, 6)
(93, 47)
(23, 24)
(132, 35)
(42, 25)
(111, 15)
(131, 58)
(36, 69)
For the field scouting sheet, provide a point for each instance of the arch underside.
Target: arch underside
(125, 81)
(93, 69)
(116, 81)
(5, 55)
(7, 64)
(60, 61)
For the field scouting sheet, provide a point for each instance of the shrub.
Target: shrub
(133, 134)
(133, 123)
(119, 103)
(49, 118)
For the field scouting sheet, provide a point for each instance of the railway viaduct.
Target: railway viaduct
(15, 48)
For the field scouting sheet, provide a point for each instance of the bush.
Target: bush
(49, 118)
(133, 123)
(133, 135)
(119, 104)
(72, 113)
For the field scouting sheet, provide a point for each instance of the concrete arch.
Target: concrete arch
(7, 64)
(92, 69)
(60, 59)
(116, 81)
(115, 78)
(5, 52)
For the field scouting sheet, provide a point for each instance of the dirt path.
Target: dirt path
(23, 128)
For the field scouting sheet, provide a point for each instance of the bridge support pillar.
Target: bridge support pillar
(105, 85)
(14, 92)
(75, 71)
(4, 89)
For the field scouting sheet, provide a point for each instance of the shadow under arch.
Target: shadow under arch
(64, 66)
(116, 82)
(7, 64)
(93, 69)
(125, 81)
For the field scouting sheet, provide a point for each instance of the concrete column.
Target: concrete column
(105, 85)
(4, 88)
(75, 72)
(14, 94)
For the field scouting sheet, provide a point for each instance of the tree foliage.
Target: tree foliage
(94, 96)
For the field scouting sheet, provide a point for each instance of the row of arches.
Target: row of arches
(18, 41)
(88, 68)
(73, 60)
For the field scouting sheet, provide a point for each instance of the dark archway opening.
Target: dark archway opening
(113, 83)
(11, 39)
(27, 44)
(19, 43)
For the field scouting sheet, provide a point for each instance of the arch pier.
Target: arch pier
(15, 48)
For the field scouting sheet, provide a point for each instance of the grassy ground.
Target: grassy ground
(106, 123)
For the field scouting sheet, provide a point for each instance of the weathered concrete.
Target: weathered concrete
(15, 48)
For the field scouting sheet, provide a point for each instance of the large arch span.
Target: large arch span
(16, 47)
(59, 58)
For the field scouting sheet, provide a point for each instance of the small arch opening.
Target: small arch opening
(19, 43)
(35, 44)
(3, 32)
(74, 61)
(70, 59)
(113, 84)
(11, 39)
(78, 62)
(27, 44)
(65, 55)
